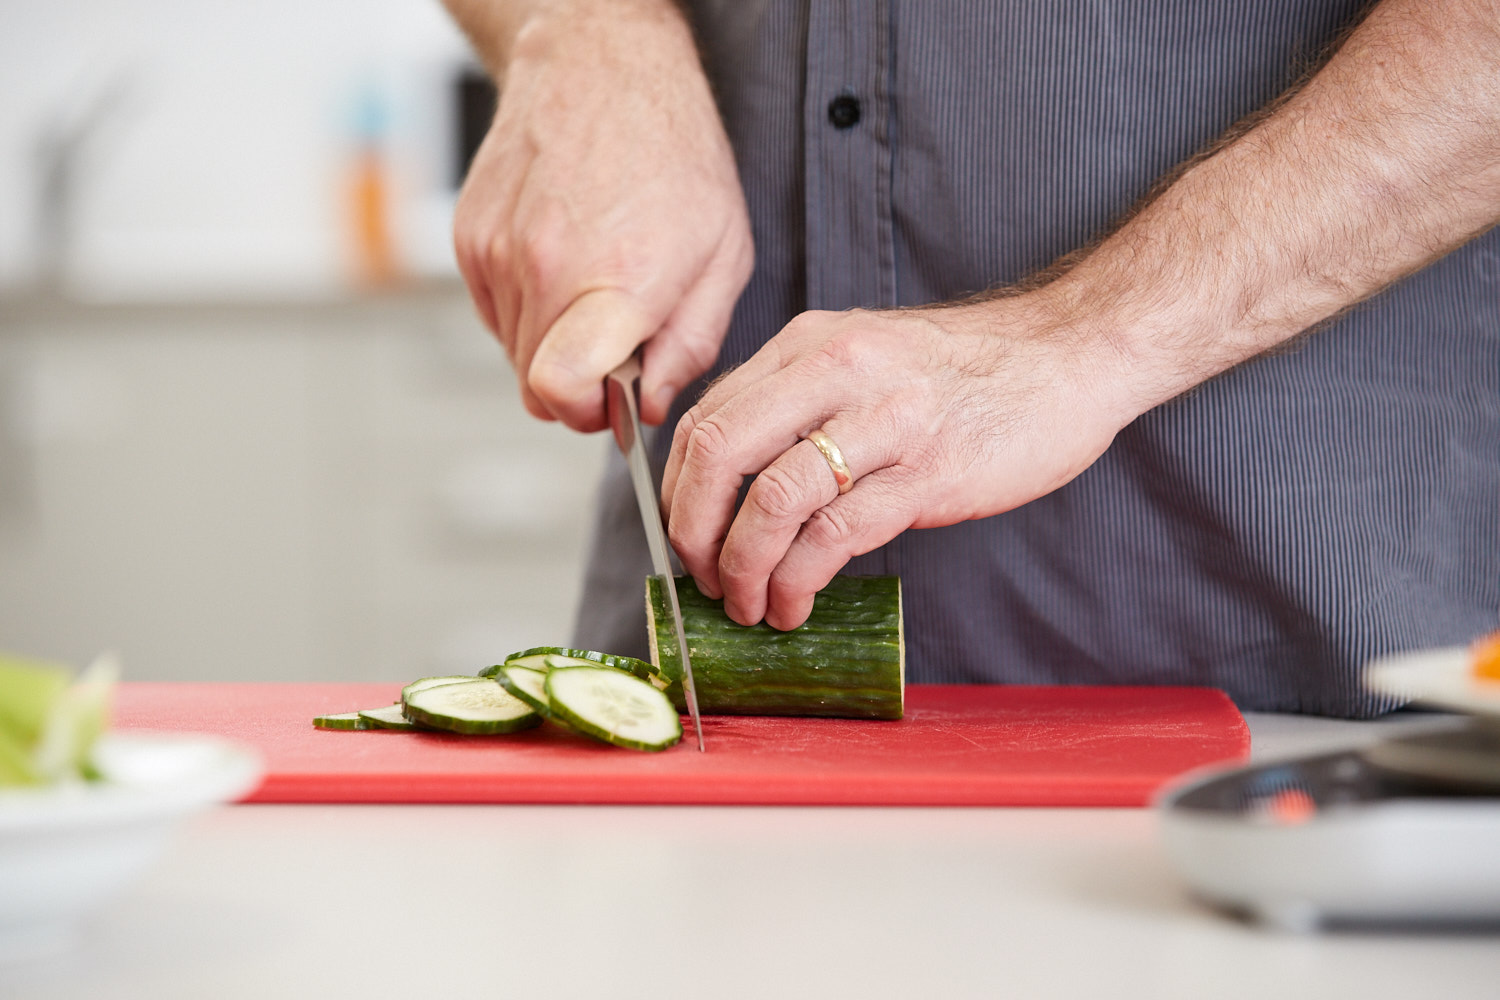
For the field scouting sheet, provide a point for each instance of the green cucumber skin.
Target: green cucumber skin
(845, 661)
(469, 727)
(629, 664)
(343, 721)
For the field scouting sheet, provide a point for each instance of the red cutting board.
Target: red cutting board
(957, 745)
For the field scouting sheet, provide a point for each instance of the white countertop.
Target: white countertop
(660, 902)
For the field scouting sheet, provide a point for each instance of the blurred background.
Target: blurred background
(249, 426)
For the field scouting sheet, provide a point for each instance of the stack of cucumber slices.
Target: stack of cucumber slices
(608, 697)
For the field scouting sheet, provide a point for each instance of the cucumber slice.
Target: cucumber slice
(28, 690)
(386, 717)
(613, 706)
(529, 660)
(342, 720)
(76, 720)
(556, 660)
(426, 682)
(478, 706)
(49, 723)
(526, 684)
(548, 657)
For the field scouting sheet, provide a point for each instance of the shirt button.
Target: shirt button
(843, 111)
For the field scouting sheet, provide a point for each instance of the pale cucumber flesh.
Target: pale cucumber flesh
(387, 717)
(526, 684)
(617, 705)
(614, 706)
(342, 720)
(476, 707)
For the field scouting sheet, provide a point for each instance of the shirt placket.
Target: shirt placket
(847, 127)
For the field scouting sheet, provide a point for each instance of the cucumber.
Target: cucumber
(530, 659)
(477, 706)
(28, 691)
(847, 660)
(423, 683)
(50, 721)
(547, 657)
(613, 706)
(555, 660)
(342, 720)
(384, 717)
(526, 684)
(77, 719)
(616, 699)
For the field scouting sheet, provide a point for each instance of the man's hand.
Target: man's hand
(942, 415)
(603, 209)
(1386, 159)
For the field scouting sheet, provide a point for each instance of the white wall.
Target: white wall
(223, 162)
(242, 486)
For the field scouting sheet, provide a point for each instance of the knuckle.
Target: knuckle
(495, 252)
(541, 246)
(804, 323)
(845, 349)
(707, 444)
(684, 429)
(830, 528)
(774, 495)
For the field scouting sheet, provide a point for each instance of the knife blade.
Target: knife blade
(622, 403)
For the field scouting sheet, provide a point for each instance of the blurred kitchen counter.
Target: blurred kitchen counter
(22, 307)
(719, 902)
(334, 487)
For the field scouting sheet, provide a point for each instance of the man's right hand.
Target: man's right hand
(603, 210)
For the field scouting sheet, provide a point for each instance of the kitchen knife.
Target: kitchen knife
(622, 402)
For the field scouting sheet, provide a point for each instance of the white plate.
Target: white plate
(1442, 678)
(67, 849)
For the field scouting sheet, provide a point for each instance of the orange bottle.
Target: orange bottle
(369, 200)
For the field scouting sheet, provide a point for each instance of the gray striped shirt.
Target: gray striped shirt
(1266, 533)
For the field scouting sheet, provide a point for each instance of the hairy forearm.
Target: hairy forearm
(1383, 161)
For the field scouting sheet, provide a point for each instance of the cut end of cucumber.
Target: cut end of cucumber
(901, 646)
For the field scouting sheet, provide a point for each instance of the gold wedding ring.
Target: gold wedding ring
(834, 457)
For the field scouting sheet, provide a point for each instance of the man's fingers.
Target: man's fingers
(688, 342)
(752, 377)
(877, 510)
(713, 451)
(481, 225)
(780, 352)
(786, 494)
(479, 289)
(588, 340)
